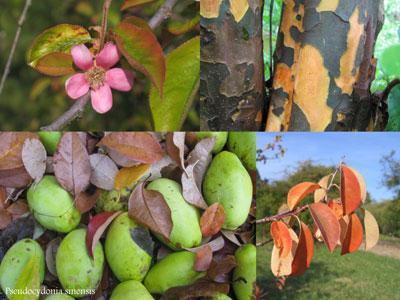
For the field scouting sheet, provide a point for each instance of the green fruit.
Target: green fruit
(221, 297)
(75, 268)
(21, 259)
(243, 144)
(111, 201)
(131, 290)
(220, 139)
(229, 183)
(59, 297)
(185, 217)
(244, 275)
(50, 140)
(52, 206)
(124, 252)
(176, 269)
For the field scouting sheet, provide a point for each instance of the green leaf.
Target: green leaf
(53, 42)
(180, 87)
(29, 280)
(140, 47)
(178, 27)
(390, 61)
(131, 3)
(394, 110)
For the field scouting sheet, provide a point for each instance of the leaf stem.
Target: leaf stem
(285, 214)
(104, 22)
(21, 22)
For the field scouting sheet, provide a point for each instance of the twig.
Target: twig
(79, 106)
(21, 22)
(259, 244)
(104, 22)
(163, 13)
(282, 215)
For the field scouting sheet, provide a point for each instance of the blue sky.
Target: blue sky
(361, 151)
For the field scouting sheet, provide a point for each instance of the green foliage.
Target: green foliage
(387, 215)
(182, 79)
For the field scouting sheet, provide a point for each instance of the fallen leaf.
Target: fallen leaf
(128, 177)
(231, 236)
(350, 190)
(282, 239)
(215, 245)
(72, 164)
(15, 178)
(212, 220)
(203, 259)
(327, 223)
(96, 227)
(103, 171)
(51, 251)
(304, 251)
(134, 147)
(34, 158)
(190, 191)
(5, 218)
(175, 146)
(11, 144)
(85, 201)
(354, 235)
(220, 267)
(18, 209)
(371, 230)
(299, 192)
(149, 208)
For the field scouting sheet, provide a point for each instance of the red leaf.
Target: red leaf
(354, 235)
(96, 227)
(203, 259)
(149, 208)
(85, 201)
(72, 164)
(282, 239)
(304, 251)
(337, 208)
(212, 220)
(299, 192)
(136, 147)
(350, 190)
(327, 223)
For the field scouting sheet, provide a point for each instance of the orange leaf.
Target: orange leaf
(362, 184)
(127, 177)
(337, 208)
(327, 223)
(283, 266)
(320, 194)
(371, 230)
(350, 190)
(299, 192)
(281, 236)
(304, 251)
(354, 235)
(212, 220)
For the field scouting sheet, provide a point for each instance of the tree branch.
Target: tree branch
(282, 215)
(78, 107)
(21, 22)
(104, 22)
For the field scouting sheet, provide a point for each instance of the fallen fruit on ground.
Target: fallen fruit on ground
(220, 139)
(243, 144)
(244, 275)
(130, 289)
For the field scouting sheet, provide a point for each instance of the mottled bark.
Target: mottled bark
(324, 65)
(232, 81)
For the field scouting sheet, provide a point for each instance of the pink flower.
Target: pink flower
(98, 77)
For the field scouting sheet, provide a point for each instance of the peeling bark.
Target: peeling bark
(324, 65)
(232, 81)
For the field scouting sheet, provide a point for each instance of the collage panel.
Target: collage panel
(328, 215)
(99, 65)
(127, 215)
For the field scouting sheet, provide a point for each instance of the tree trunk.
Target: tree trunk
(232, 81)
(324, 65)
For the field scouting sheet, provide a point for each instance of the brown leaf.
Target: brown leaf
(203, 259)
(134, 147)
(128, 177)
(15, 178)
(18, 209)
(34, 158)
(190, 191)
(299, 192)
(11, 144)
(51, 251)
(327, 223)
(103, 171)
(72, 164)
(201, 288)
(350, 190)
(220, 267)
(231, 236)
(212, 220)
(215, 245)
(3, 198)
(304, 251)
(175, 147)
(96, 227)
(320, 194)
(371, 230)
(5, 218)
(85, 201)
(150, 209)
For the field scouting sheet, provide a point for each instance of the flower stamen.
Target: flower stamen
(95, 76)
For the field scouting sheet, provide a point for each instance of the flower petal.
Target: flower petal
(82, 57)
(76, 86)
(120, 79)
(108, 57)
(102, 99)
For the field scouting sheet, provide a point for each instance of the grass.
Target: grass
(360, 275)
